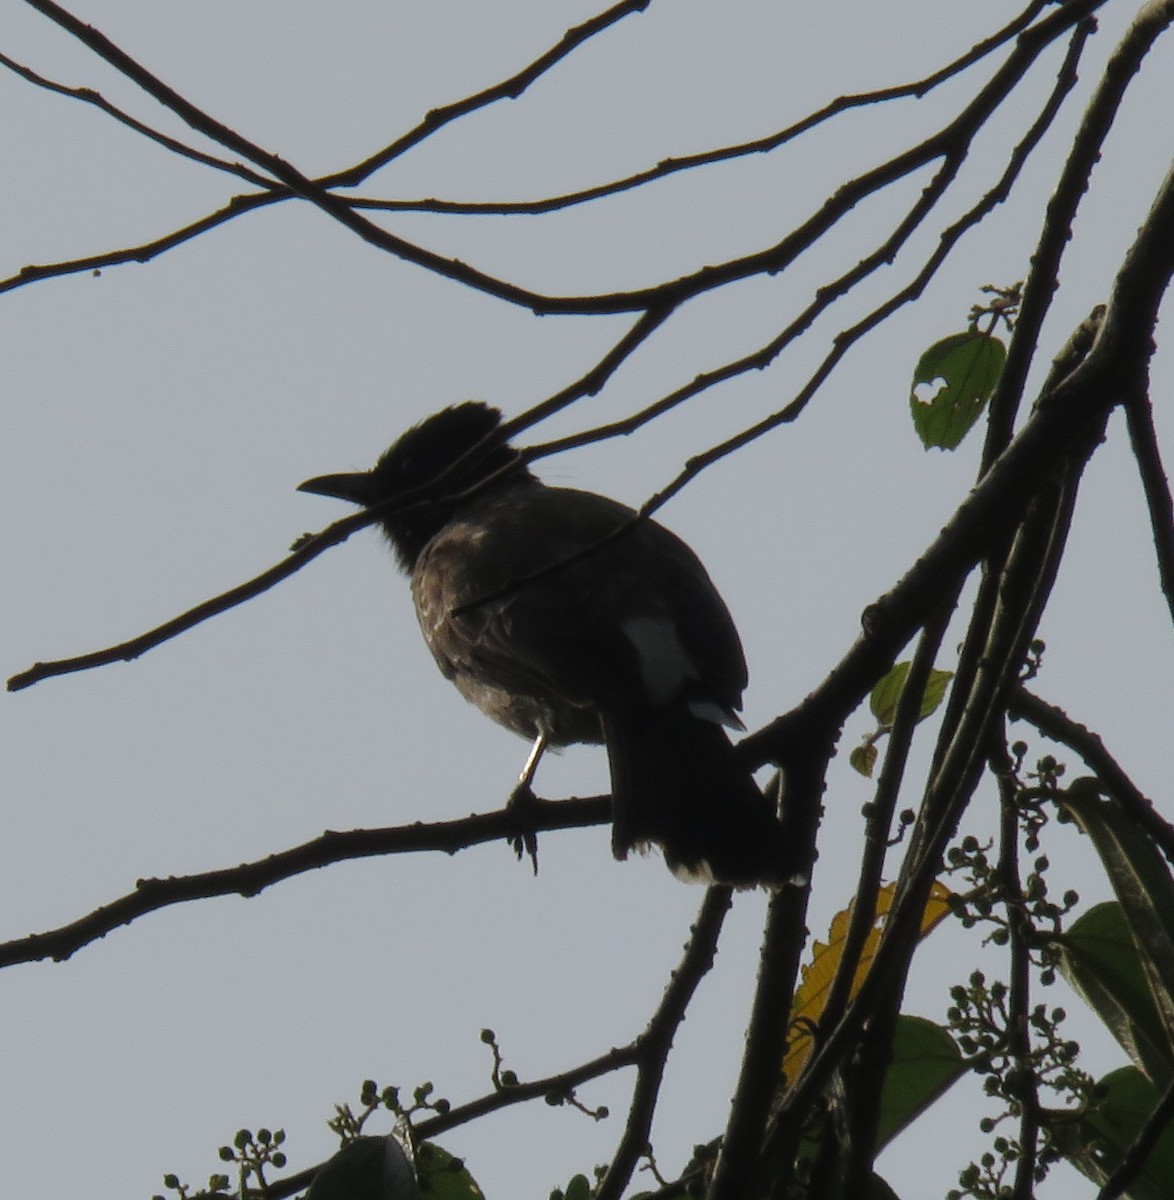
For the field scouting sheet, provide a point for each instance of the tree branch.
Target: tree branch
(686, 162)
(1144, 439)
(251, 878)
(656, 1041)
(952, 140)
(495, 1101)
(88, 95)
(1070, 189)
(1054, 723)
(309, 548)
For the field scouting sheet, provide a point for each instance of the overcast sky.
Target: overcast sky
(157, 419)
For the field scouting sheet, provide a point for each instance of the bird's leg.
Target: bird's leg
(535, 757)
(525, 841)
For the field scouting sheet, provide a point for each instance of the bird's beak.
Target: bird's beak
(355, 487)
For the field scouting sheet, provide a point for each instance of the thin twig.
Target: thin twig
(771, 260)
(686, 162)
(1018, 1026)
(88, 95)
(131, 649)
(1054, 723)
(507, 89)
(311, 547)
(495, 1101)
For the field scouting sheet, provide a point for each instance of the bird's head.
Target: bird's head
(456, 449)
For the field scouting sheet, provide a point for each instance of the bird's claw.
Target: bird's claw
(521, 806)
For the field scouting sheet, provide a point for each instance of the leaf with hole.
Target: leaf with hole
(952, 383)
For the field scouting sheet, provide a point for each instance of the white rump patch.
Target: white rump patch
(665, 667)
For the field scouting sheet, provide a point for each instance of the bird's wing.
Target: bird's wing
(528, 592)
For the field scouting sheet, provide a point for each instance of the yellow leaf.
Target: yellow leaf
(816, 977)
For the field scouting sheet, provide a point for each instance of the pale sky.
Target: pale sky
(158, 418)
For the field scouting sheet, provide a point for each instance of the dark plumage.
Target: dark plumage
(564, 636)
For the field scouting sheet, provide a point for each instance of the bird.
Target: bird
(566, 617)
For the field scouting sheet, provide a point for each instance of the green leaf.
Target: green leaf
(878, 1189)
(1099, 1138)
(377, 1168)
(926, 1061)
(1100, 959)
(578, 1189)
(369, 1168)
(1142, 883)
(964, 369)
(862, 759)
(885, 695)
(443, 1177)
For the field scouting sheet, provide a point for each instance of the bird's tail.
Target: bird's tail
(677, 782)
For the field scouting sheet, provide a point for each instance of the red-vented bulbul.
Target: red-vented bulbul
(564, 621)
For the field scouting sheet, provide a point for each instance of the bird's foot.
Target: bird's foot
(522, 807)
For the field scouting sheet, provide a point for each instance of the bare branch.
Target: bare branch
(703, 158)
(648, 1053)
(951, 141)
(311, 547)
(1019, 957)
(129, 650)
(507, 89)
(495, 1101)
(251, 878)
(766, 1039)
(90, 96)
(143, 252)
(657, 1039)
(1061, 213)
(298, 183)
(883, 254)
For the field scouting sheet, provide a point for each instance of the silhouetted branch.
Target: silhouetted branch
(1054, 723)
(950, 143)
(826, 295)
(88, 95)
(310, 547)
(1056, 232)
(298, 183)
(784, 937)
(881, 811)
(687, 162)
(508, 89)
(141, 253)
(1019, 933)
(648, 1053)
(656, 1041)
(995, 643)
(129, 650)
(295, 185)
(495, 1101)
(250, 878)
